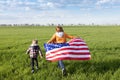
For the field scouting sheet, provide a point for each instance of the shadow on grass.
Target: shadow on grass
(74, 67)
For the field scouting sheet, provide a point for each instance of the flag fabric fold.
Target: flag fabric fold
(75, 49)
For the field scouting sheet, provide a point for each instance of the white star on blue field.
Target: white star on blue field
(60, 11)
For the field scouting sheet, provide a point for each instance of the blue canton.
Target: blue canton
(53, 46)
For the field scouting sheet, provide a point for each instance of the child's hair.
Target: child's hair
(35, 41)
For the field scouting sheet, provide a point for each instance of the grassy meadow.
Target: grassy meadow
(103, 42)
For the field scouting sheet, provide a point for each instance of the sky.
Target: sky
(59, 11)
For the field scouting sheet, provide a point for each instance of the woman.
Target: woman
(60, 37)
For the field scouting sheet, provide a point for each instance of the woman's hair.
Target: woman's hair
(61, 29)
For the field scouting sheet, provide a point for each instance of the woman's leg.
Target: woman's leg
(61, 65)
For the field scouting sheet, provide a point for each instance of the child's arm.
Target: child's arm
(40, 53)
(28, 50)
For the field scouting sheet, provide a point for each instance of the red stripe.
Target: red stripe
(71, 53)
(77, 44)
(68, 58)
(68, 52)
(80, 44)
(62, 49)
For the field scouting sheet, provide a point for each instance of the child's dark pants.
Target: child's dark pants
(32, 62)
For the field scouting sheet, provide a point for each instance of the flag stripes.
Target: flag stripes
(76, 50)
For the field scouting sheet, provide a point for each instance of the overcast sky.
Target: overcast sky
(60, 11)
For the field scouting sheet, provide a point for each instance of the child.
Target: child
(33, 51)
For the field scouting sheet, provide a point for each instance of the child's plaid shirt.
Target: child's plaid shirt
(34, 50)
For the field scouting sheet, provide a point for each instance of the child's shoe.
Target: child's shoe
(37, 68)
(32, 71)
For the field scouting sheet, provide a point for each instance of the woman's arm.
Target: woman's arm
(52, 39)
(69, 36)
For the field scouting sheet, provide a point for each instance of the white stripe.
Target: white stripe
(64, 51)
(77, 43)
(71, 56)
(75, 47)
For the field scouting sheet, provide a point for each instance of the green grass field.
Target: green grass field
(103, 42)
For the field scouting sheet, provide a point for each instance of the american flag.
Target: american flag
(75, 49)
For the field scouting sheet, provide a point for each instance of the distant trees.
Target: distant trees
(52, 24)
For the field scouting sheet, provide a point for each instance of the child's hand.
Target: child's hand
(41, 56)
